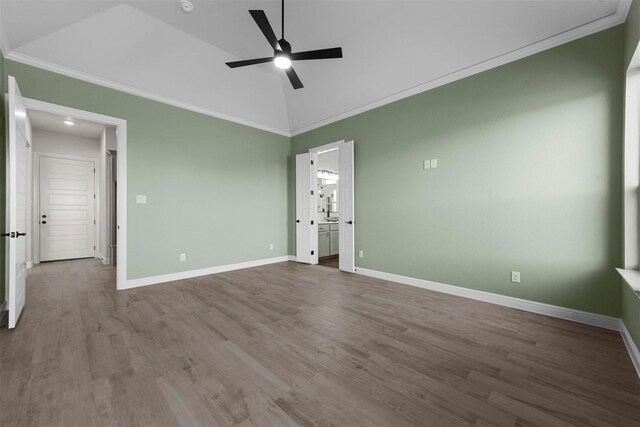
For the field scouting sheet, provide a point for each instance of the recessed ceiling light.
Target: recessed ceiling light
(69, 122)
(186, 6)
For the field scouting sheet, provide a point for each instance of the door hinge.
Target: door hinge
(94, 221)
(94, 170)
(312, 252)
(94, 248)
(94, 196)
(311, 161)
(312, 192)
(311, 222)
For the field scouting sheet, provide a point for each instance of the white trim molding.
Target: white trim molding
(171, 277)
(606, 322)
(121, 141)
(3, 306)
(616, 18)
(631, 346)
(598, 320)
(100, 81)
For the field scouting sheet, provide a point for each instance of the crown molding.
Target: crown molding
(575, 33)
(100, 81)
(584, 30)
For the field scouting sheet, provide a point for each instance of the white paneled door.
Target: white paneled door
(16, 248)
(346, 195)
(67, 209)
(306, 225)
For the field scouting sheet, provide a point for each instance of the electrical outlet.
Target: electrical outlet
(427, 164)
(271, 247)
(183, 257)
(434, 163)
(515, 276)
(141, 198)
(360, 253)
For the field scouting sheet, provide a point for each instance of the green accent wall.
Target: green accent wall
(630, 305)
(528, 178)
(216, 190)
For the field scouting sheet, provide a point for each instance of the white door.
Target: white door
(16, 249)
(67, 209)
(306, 208)
(346, 197)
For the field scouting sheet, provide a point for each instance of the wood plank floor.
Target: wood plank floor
(330, 261)
(288, 344)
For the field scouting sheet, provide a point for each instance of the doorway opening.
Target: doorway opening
(325, 206)
(328, 208)
(69, 201)
(20, 214)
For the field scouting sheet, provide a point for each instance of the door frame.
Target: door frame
(314, 214)
(35, 219)
(121, 138)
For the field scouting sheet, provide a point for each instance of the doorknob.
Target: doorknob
(43, 222)
(297, 220)
(44, 216)
(349, 222)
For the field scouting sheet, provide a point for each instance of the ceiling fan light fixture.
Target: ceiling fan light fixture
(282, 61)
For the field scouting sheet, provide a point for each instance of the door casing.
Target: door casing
(121, 139)
(314, 214)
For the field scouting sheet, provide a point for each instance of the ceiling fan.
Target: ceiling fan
(282, 55)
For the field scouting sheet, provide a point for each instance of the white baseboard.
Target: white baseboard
(631, 346)
(106, 261)
(599, 320)
(153, 280)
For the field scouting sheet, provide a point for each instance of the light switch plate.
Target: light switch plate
(427, 164)
(183, 257)
(434, 163)
(140, 198)
(271, 246)
(360, 253)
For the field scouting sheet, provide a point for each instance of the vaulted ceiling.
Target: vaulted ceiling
(392, 49)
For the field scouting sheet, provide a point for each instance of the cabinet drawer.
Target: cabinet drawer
(334, 227)
(324, 227)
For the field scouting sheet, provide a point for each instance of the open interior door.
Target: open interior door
(346, 195)
(306, 208)
(16, 250)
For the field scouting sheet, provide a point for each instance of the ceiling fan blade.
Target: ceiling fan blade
(236, 64)
(293, 78)
(334, 52)
(263, 23)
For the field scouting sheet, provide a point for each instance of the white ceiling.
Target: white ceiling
(392, 49)
(41, 120)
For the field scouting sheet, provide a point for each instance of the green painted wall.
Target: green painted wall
(630, 306)
(217, 190)
(528, 178)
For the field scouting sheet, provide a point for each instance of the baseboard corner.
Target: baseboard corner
(632, 348)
